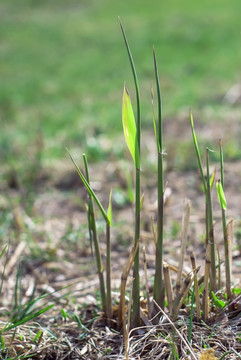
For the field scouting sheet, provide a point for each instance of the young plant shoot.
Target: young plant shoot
(133, 139)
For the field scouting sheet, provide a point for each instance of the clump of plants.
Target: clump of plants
(203, 294)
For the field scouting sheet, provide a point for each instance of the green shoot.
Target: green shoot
(210, 232)
(136, 276)
(223, 205)
(158, 282)
(218, 302)
(93, 233)
(106, 297)
(108, 260)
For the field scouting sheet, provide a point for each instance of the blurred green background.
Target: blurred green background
(63, 65)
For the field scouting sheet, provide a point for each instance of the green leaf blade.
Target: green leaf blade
(129, 126)
(221, 196)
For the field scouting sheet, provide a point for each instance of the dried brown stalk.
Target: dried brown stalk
(197, 297)
(185, 223)
(124, 276)
(168, 286)
(182, 295)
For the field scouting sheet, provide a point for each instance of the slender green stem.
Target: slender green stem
(225, 232)
(108, 273)
(201, 171)
(226, 250)
(136, 282)
(210, 232)
(158, 282)
(221, 162)
(93, 230)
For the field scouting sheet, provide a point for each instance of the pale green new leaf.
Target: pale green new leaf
(109, 211)
(129, 125)
(221, 196)
(218, 302)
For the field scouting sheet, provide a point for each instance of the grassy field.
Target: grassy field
(63, 66)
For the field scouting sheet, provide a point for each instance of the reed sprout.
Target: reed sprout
(105, 294)
(158, 282)
(134, 143)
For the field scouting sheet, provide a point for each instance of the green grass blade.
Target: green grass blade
(26, 319)
(89, 189)
(4, 266)
(129, 126)
(3, 251)
(221, 196)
